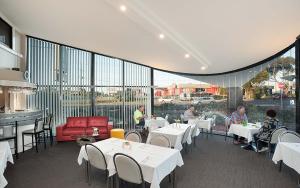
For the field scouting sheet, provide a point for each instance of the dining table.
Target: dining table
(5, 156)
(202, 123)
(247, 131)
(155, 123)
(174, 132)
(289, 154)
(156, 162)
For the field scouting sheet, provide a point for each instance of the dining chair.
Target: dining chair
(35, 134)
(288, 136)
(128, 170)
(48, 127)
(194, 135)
(213, 121)
(97, 160)
(167, 117)
(160, 140)
(133, 136)
(163, 141)
(274, 138)
(181, 118)
(184, 139)
(227, 126)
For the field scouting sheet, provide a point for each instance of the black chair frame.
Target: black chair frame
(134, 132)
(35, 135)
(88, 165)
(140, 169)
(13, 137)
(49, 128)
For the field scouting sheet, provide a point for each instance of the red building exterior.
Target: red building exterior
(179, 89)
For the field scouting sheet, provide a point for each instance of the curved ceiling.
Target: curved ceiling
(219, 36)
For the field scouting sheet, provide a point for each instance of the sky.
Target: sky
(163, 79)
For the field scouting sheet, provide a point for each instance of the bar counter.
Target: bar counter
(24, 121)
(22, 117)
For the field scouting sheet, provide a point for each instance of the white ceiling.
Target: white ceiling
(221, 35)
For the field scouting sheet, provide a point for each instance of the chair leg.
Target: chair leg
(280, 165)
(51, 137)
(23, 142)
(44, 139)
(107, 178)
(36, 142)
(269, 149)
(16, 147)
(174, 178)
(87, 171)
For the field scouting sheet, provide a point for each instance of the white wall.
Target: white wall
(15, 57)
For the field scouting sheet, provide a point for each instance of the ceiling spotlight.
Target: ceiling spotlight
(123, 8)
(187, 55)
(203, 68)
(161, 36)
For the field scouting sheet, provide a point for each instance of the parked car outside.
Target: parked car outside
(166, 100)
(204, 100)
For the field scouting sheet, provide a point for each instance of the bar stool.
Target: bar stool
(36, 133)
(117, 133)
(48, 127)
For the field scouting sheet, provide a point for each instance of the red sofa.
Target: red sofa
(77, 126)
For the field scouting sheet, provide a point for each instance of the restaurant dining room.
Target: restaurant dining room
(151, 94)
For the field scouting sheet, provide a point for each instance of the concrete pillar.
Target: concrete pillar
(234, 98)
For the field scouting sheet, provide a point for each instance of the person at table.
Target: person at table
(238, 117)
(189, 114)
(262, 138)
(139, 116)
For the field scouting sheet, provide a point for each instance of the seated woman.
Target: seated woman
(262, 138)
(238, 117)
(189, 114)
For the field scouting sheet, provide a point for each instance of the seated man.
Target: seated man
(139, 117)
(189, 114)
(238, 117)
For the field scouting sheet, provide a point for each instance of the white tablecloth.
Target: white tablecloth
(244, 131)
(289, 153)
(156, 162)
(201, 123)
(5, 156)
(153, 124)
(174, 133)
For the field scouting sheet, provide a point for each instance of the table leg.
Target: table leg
(280, 165)
(174, 178)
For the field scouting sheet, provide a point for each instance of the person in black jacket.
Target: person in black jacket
(262, 138)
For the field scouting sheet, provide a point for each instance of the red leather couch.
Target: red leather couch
(77, 126)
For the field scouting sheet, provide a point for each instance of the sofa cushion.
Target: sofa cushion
(77, 122)
(73, 131)
(97, 121)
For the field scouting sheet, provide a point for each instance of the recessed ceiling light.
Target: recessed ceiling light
(187, 55)
(123, 8)
(203, 68)
(161, 36)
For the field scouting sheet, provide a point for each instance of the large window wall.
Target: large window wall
(73, 82)
(270, 85)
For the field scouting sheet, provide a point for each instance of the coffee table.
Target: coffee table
(85, 139)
